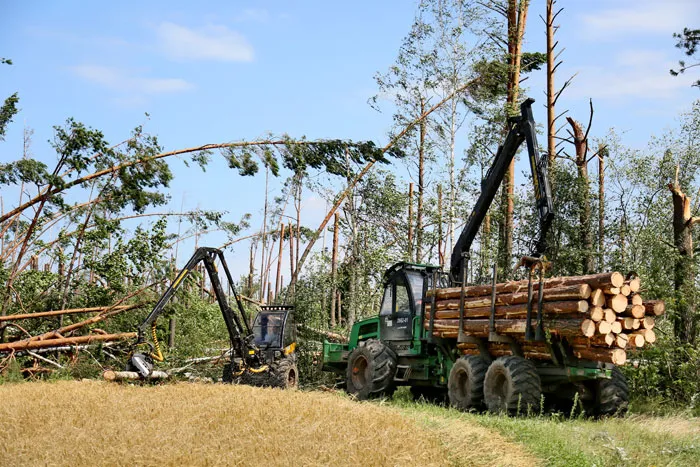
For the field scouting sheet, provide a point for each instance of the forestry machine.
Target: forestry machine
(398, 347)
(261, 356)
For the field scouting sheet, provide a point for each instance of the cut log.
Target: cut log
(515, 311)
(637, 339)
(611, 290)
(609, 315)
(616, 327)
(636, 323)
(627, 323)
(655, 307)
(480, 327)
(110, 375)
(604, 327)
(648, 322)
(597, 314)
(29, 345)
(597, 297)
(634, 284)
(635, 311)
(574, 292)
(614, 279)
(649, 335)
(616, 356)
(598, 340)
(625, 290)
(621, 340)
(588, 328)
(617, 302)
(636, 299)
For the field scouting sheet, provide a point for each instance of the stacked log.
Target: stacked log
(598, 315)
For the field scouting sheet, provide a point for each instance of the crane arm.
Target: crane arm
(237, 327)
(521, 129)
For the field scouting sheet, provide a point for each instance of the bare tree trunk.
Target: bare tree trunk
(292, 270)
(551, 114)
(410, 221)
(421, 187)
(585, 235)
(602, 152)
(441, 256)
(251, 269)
(334, 268)
(278, 281)
(517, 17)
(264, 237)
(685, 319)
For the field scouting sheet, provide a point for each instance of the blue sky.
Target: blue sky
(210, 72)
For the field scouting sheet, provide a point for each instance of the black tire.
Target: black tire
(612, 395)
(465, 386)
(429, 394)
(286, 374)
(512, 385)
(371, 370)
(230, 375)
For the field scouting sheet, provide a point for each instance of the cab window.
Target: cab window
(396, 297)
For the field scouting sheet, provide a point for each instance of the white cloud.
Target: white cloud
(121, 80)
(639, 18)
(209, 43)
(631, 73)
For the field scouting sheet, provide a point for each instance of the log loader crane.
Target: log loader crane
(398, 347)
(261, 355)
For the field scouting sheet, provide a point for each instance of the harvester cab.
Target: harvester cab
(261, 355)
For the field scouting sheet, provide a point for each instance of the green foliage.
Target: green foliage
(688, 41)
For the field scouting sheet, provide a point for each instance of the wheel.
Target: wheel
(429, 394)
(371, 370)
(612, 395)
(286, 374)
(465, 386)
(231, 373)
(513, 385)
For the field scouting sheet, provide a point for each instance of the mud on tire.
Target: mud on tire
(286, 374)
(465, 386)
(512, 385)
(371, 369)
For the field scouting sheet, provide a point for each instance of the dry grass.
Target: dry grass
(89, 423)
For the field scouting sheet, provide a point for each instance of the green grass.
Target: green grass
(560, 441)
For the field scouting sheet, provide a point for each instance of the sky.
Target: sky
(219, 71)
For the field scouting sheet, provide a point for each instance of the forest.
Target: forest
(90, 241)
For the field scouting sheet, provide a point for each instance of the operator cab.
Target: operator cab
(405, 285)
(270, 330)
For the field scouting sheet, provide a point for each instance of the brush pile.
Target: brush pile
(600, 316)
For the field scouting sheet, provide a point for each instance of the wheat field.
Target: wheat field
(97, 423)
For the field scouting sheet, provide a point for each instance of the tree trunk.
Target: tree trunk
(585, 235)
(278, 280)
(551, 114)
(334, 268)
(602, 152)
(410, 222)
(684, 320)
(421, 186)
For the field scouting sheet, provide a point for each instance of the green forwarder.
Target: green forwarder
(398, 347)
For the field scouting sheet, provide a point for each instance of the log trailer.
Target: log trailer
(261, 355)
(401, 346)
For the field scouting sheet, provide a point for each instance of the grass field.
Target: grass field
(96, 423)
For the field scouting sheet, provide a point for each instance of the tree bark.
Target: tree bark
(585, 235)
(684, 320)
(421, 186)
(334, 268)
(410, 222)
